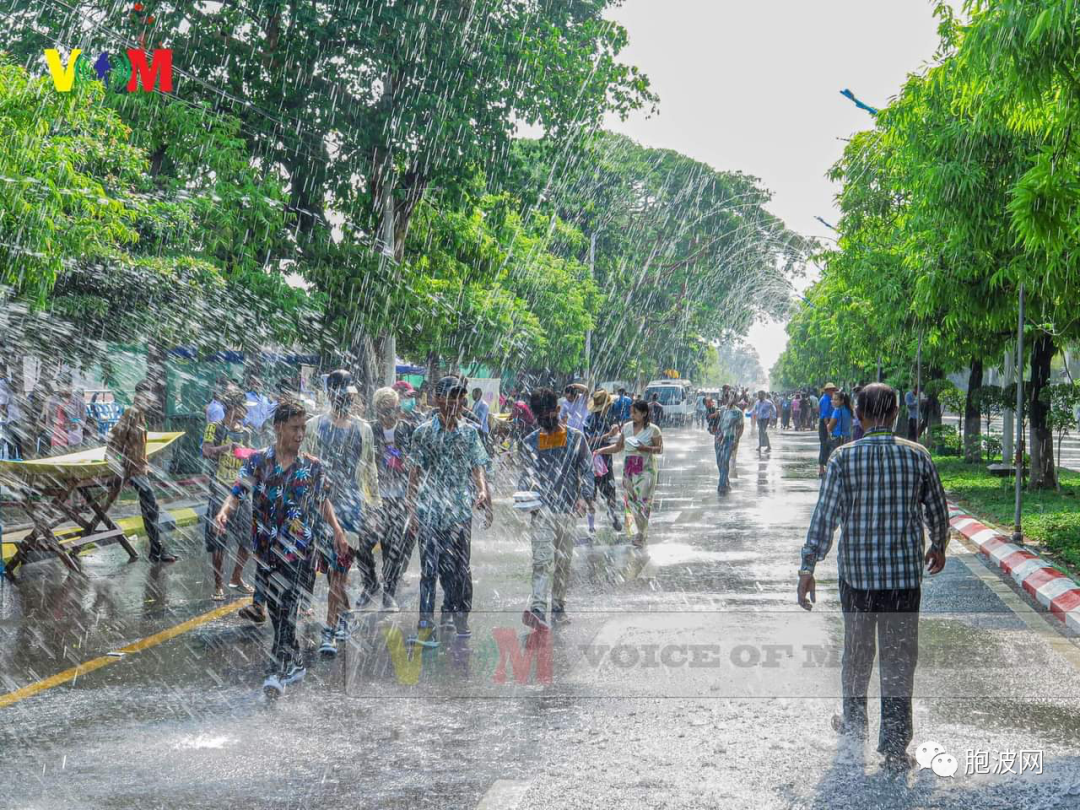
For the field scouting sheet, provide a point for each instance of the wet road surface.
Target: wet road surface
(687, 679)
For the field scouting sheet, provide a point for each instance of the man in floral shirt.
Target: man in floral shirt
(288, 495)
(446, 482)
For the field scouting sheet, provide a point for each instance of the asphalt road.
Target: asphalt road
(690, 679)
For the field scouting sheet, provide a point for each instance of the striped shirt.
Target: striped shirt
(881, 490)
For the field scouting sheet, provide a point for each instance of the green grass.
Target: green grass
(1051, 519)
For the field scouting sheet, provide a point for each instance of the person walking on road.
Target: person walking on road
(446, 483)
(824, 415)
(393, 441)
(878, 491)
(346, 447)
(796, 412)
(621, 407)
(785, 412)
(764, 413)
(125, 455)
(724, 426)
(288, 495)
(228, 443)
(911, 401)
(841, 421)
(643, 443)
(656, 410)
(558, 466)
(600, 427)
(574, 409)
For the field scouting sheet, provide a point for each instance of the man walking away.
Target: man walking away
(764, 412)
(785, 412)
(125, 453)
(621, 408)
(878, 490)
(824, 415)
(558, 465)
(446, 482)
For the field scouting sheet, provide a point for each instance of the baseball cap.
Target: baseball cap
(450, 385)
(340, 381)
(404, 387)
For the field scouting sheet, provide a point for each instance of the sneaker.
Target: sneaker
(535, 619)
(446, 623)
(329, 643)
(294, 674)
(461, 626)
(273, 687)
(342, 632)
(559, 618)
(163, 557)
(388, 604)
(616, 525)
(424, 636)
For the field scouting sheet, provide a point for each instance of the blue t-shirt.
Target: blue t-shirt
(825, 406)
(842, 415)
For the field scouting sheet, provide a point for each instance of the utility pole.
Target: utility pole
(1008, 414)
(588, 334)
(389, 340)
(1018, 534)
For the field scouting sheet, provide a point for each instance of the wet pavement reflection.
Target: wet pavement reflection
(687, 678)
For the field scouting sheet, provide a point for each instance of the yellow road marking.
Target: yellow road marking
(97, 663)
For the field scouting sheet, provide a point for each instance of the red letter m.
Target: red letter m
(537, 645)
(159, 71)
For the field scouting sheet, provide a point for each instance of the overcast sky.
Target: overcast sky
(755, 85)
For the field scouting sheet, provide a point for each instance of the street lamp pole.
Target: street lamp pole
(1018, 534)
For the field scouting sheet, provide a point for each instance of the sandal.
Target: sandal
(253, 614)
(242, 586)
(219, 595)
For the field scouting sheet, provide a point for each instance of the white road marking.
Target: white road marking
(505, 794)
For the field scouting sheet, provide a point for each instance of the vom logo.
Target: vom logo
(129, 70)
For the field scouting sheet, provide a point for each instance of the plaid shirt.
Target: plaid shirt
(881, 490)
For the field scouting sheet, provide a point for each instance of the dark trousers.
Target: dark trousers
(397, 544)
(288, 583)
(913, 429)
(148, 505)
(785, 418)
(763, 434)
(823, 440)
(445, 554)
(891, 619)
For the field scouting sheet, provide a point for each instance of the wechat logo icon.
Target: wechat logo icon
(933, 755)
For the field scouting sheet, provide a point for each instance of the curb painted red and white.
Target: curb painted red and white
(1041, 580)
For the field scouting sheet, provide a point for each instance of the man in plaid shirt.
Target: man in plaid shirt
(881, 490)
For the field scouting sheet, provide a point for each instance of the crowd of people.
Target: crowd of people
(327, 488)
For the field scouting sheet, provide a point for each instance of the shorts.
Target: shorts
(239, 527)
(351, 518)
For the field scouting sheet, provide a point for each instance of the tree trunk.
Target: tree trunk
(1043, 472)
(155, 373)
(972, 425)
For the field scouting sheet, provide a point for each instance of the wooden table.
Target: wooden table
(77, 488)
